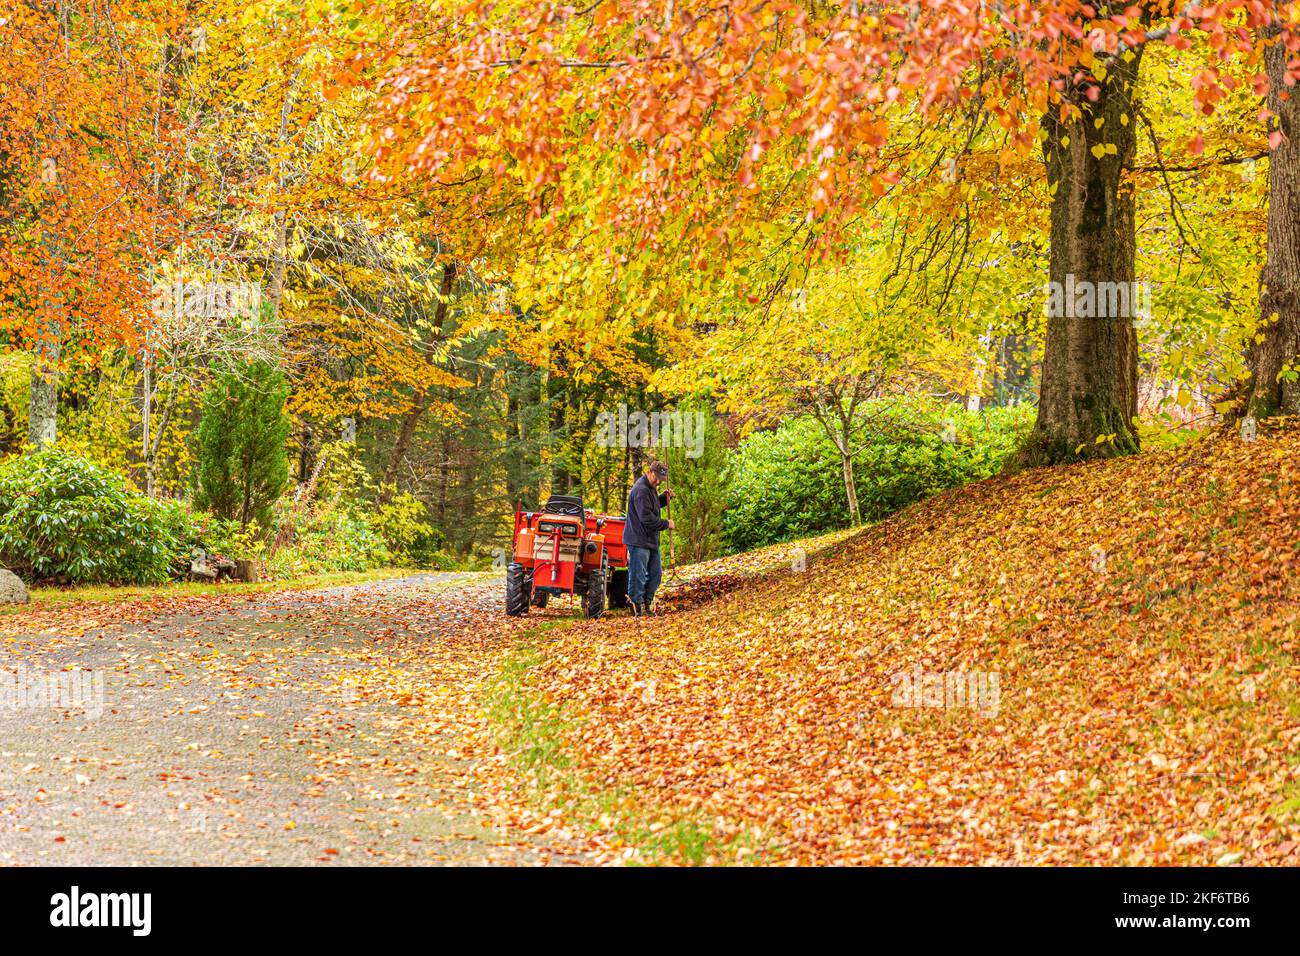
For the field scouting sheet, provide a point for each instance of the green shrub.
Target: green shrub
(62, 517)
(788, 483)
(331, 539)
(783, 484)
(242, 466)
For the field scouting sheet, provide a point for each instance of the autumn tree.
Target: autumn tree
(72, 121)
(835, 348)
(714, 112)
(1089, 382)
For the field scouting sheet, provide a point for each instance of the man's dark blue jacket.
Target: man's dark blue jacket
(643, 521)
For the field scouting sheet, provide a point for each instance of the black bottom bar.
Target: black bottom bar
(308, 906)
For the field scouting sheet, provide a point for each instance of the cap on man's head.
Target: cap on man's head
(659, 469)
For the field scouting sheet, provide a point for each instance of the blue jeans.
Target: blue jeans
(643, 574)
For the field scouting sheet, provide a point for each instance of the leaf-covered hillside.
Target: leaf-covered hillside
(1131, 627)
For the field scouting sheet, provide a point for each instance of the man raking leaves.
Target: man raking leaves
(641, 535)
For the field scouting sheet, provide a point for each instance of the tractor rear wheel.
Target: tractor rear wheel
(617, 589)
(519, 589)
(593, 601)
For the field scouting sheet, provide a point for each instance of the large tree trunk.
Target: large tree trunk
(836, 420)
(1277, 348)
(1089, 382)
(561, 479)
(625, 479)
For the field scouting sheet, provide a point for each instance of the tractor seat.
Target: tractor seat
(568, 505)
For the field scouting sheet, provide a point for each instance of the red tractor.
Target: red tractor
(567, 549)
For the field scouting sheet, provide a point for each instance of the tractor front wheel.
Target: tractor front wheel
(519, 589)
(593, 601)
(540, 598)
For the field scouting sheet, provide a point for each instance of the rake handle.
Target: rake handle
(672, 554)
